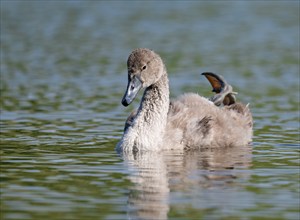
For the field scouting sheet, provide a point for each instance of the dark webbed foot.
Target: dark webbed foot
(224, 92)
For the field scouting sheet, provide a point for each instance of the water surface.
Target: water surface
(63, 73)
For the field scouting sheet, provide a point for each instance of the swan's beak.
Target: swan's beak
(133, 87)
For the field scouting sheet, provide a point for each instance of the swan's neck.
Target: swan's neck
(147, 130)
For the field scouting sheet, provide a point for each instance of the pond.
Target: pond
(63, 74)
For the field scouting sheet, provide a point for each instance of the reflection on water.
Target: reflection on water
(155, 175)
(148, 197)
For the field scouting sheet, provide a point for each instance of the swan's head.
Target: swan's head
(145, 68)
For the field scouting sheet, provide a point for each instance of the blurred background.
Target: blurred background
(63, 74)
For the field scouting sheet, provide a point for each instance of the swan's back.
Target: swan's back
(195, 122)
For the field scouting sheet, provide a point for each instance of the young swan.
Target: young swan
(189, 122)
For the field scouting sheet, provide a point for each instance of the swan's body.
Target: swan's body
(191, 121)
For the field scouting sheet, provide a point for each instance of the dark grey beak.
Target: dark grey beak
(133, 87)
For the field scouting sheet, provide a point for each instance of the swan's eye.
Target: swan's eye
(144, 67)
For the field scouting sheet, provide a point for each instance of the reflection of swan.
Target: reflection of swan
(190, 122)
(155, 176)
(148, 198)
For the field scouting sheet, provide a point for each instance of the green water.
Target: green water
(63, 74)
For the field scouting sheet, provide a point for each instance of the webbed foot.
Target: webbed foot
(224, 92)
